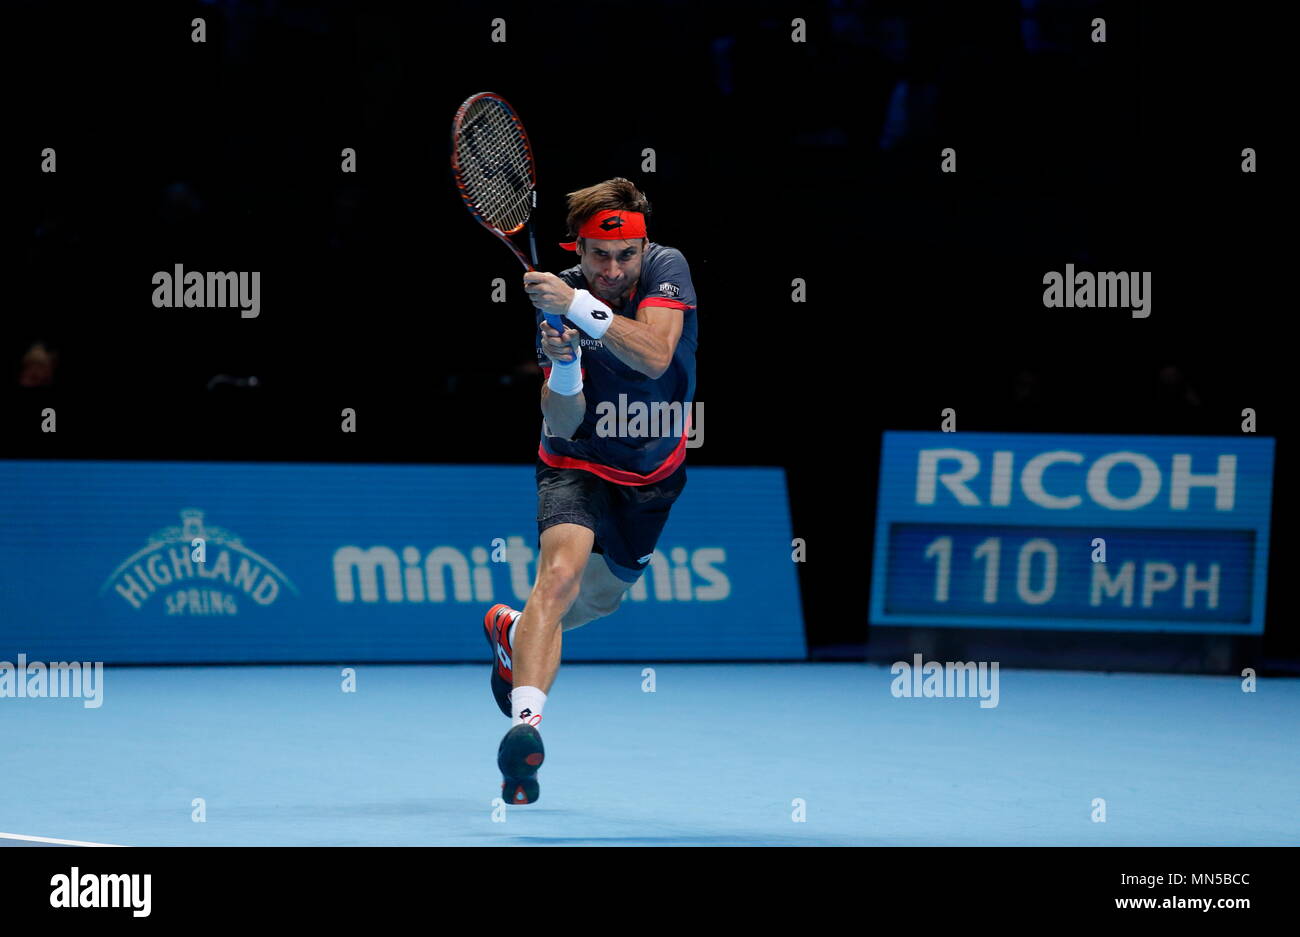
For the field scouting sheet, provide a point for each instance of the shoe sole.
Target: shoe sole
(518, 757)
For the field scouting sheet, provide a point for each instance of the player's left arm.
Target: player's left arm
(648, 342)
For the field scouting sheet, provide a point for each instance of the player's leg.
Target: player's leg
(566, 499)
(626, 537)
(601, 594)
(560, 572)
(570, 504)
(565, 548)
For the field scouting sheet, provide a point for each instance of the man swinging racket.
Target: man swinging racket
(602, 500)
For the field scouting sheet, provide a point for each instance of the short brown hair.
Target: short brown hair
(611, 194)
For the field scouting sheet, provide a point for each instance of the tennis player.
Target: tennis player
(602, 499)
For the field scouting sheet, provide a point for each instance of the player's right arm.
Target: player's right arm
(563, 412)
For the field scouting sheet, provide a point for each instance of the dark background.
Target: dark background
(776, 160)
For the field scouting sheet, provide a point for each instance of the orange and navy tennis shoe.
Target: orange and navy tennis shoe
(496, 626)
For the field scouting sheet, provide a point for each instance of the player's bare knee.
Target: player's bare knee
(558, 583)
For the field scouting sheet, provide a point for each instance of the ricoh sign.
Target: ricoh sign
(997, 481)
(1073, 532)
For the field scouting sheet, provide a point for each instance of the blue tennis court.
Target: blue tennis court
(716, 755)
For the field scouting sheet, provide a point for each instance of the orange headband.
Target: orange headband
(611, 224)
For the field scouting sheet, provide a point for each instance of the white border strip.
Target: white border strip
(56, 842)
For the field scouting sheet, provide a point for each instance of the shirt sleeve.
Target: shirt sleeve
(669, 281)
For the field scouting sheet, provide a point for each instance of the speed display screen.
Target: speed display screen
(1132, 533)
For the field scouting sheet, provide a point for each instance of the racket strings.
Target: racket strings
(495, 165)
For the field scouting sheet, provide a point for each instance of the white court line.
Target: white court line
(57, 842)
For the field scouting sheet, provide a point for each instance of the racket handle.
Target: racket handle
(557, 323)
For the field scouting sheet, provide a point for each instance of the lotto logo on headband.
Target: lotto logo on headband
(611, 223)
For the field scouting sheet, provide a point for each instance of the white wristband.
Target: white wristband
(566, 378)
(589, 314)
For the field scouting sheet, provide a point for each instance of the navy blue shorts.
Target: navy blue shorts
(627, 519)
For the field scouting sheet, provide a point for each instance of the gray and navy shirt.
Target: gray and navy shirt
(624, 437)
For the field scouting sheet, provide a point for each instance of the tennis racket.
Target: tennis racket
(492, 163)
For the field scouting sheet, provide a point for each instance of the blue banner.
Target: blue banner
(129, 562)
(1118, 533)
